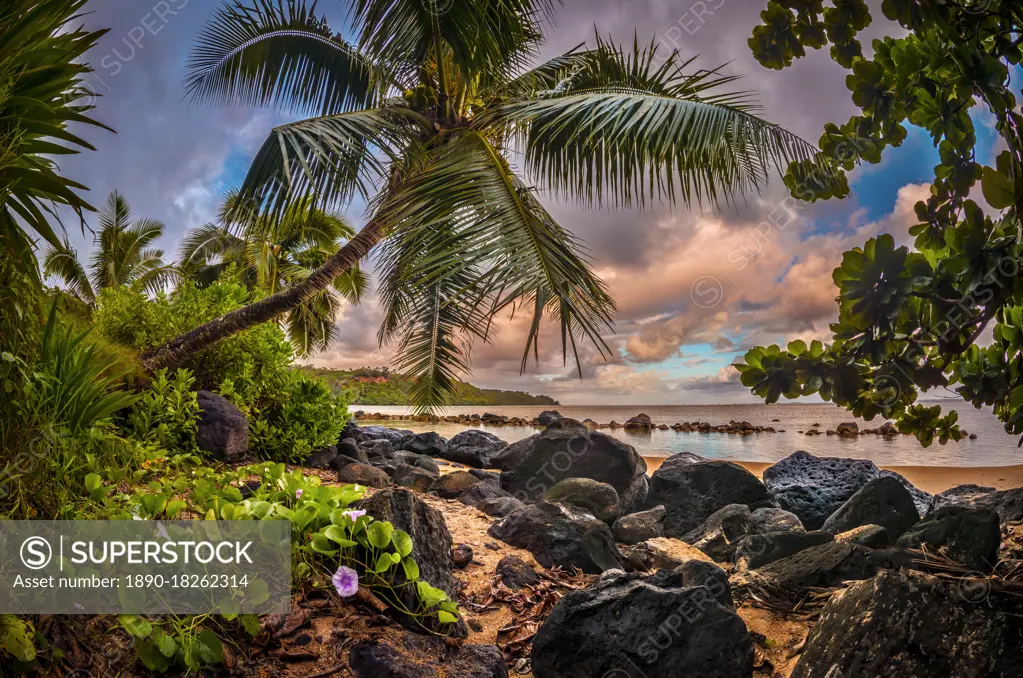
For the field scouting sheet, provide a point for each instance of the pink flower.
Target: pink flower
(298, 494)
(346, 581)
(354, 515)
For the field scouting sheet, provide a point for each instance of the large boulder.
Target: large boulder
(630, 626)
(557, 535)
(511, 456)
(1007, 503)
(702, 573)
(548, 417)
(453, 484)
(431, 444)
(718, 534)
(574, 452)
(473, 447)
(356, 473)
(825, 566)
(377, 449)
(967, 536)
(596, 498)
(913, 625)
(882, 501)
(413, 478)
(757, 550)
(476, 494)
(958, 495)
(848, 429)
(349, 448)
(418, 460)
(223, 430)
(692, 488)
(431, 543)
(765, 520)
(640, 422)
(392, 435)
(640, 526)
(815, 487)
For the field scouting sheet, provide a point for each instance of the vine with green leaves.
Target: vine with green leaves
(913, 319)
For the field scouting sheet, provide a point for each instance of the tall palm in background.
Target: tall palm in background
(273, 254)
(124, 257)
(421, 117)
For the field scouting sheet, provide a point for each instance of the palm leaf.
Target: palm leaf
(280, 54)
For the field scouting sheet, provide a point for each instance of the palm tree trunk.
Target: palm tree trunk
(180, 348)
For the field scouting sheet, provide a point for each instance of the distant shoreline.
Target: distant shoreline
(932, 479)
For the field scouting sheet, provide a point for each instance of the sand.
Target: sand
(931, 479)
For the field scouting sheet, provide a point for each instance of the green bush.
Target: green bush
(167, 414)
(310, 416)
(290, 415)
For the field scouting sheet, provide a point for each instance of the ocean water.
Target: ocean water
(993, 446)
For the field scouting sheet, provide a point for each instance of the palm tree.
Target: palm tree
(422, 115)
(42, 91)
(274, 254)
(122, 258)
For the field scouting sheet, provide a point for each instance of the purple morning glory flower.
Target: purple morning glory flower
(298, 494)
(354, 515)
(346, 581)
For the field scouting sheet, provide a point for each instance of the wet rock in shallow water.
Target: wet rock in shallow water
(757, 550)
(871, 536)
(625, 623)
(882, 501)
(718, 534)
(913, 625)
(692, 488)
(637, 527)
(574, 452)
(474, 448)
(640, 422)
(413, 478)
(453, 484)
(515, 573)
(557, 535)
(222, 430)
(848, 429)
(596, 498)
(968, 536)
(766, 520)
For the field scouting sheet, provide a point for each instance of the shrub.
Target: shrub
(167, 414)
(308, 417)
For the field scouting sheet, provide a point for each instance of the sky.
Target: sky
(695, 287)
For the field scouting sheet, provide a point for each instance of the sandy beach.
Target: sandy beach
(931, 479)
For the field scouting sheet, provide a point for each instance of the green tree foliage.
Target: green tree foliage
(42, 91)
(274, 253)
(421, 115)
(909, 319)
(123, 257)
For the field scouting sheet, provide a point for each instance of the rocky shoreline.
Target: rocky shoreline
(641, 423)
(674, 571)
